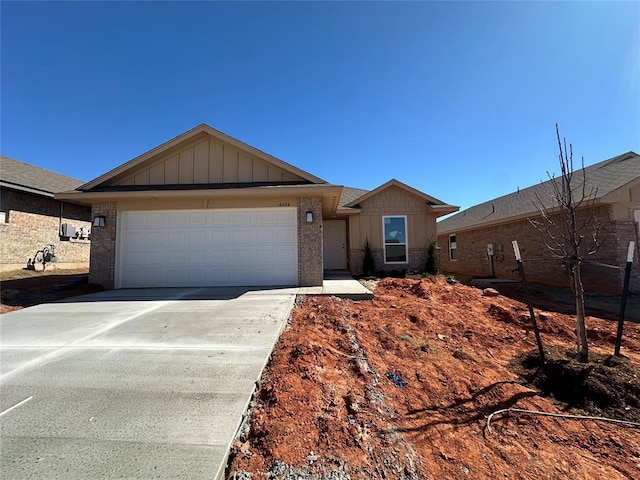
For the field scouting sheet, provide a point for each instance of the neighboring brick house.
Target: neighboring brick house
(30, 217)
(206, 209)
(466, 237)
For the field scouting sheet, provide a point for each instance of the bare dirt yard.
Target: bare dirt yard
(24, 288)
(401, 387)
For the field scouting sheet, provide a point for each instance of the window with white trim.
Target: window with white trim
(453, 247)
(394, 231)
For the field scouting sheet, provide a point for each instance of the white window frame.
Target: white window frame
(406, 243)
(453, 246)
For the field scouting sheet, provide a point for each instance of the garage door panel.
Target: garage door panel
(283, 278)
(241, 256)
(176, 220)
(177, 238)
(241, 275)
(155, 238)
(156, 257)
(244, 236)
(221, 219)
(266, 218)
(138, 239)
(241, 218)
(214, 247)
(147, 277)
(178, 276)
(219, 277)
(197, 276)
(198, 238)
(285, 236)
(177, 257)
(133, 220)
(220, 238)
(155, 220)
(265, 237)
(285, 217)
(198, 219)
(283, 257)
(220, 256)
(196, 256)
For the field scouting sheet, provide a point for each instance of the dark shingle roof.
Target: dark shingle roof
(603, 178)
(350, 194)
(22, 176)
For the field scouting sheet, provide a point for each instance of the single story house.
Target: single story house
(477, 241)
(31, 218)
(206, 209)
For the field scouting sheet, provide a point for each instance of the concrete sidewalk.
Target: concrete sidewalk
(341, 284)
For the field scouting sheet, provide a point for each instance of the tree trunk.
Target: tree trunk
(583, 347)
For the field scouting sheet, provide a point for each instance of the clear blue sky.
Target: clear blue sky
(456, 99)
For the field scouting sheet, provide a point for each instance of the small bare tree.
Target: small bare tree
(569, 228)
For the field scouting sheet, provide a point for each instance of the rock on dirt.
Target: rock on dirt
(490, 292)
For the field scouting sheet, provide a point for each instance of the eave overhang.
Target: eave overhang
(330, 194)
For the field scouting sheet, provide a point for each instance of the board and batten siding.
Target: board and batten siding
(208, 161)
(421, 228)
(392, 201)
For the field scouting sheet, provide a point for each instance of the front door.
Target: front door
(335, 243)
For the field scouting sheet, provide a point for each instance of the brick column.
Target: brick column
(103, 246)
(310, 268)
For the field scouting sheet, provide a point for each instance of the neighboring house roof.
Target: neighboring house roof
(194, 134)
(601, 178)
(21, 176)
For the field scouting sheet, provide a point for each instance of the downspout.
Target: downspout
(60, 218)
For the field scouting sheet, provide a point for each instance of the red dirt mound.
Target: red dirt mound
(401, 387)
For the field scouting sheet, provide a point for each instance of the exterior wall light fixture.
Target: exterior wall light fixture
(309, 217)
(98, 221)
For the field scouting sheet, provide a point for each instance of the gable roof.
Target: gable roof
(395, 183)
(602, 178)
(22, 176)
(198, 132)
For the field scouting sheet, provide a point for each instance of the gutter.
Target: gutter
(22, 188)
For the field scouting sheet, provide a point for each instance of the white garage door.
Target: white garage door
(207, 248)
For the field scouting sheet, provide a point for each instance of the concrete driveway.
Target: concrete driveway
(132, 383)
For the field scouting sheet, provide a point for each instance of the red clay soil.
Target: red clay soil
(401, 387)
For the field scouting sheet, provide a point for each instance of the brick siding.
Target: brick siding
(310, 268)
(417, 261)
(103, 246)
(541, 266)
(32, 222)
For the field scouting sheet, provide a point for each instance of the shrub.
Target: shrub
(368, 264)
(433, 262)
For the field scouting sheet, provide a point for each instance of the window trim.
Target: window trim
(453, 246)
(406, 241)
